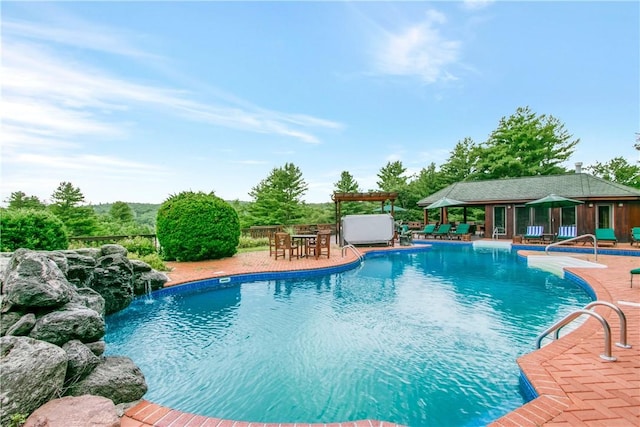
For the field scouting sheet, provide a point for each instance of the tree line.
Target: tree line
(523, 144)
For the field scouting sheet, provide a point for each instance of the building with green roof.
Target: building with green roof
(605, 204)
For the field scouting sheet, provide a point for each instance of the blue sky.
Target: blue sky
(135, 101)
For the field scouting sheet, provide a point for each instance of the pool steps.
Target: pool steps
(557, 264)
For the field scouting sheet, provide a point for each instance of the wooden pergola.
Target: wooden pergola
(371, 196)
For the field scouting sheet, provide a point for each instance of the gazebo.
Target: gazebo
(371, 196)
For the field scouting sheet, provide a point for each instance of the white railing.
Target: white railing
(595, 243)
(354, 249)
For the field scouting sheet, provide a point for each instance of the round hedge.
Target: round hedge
(197, 226)
(31, 229)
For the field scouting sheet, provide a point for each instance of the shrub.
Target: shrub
(251, 242)
(31, 229)
(77, 244)
(153, 260)
(140, 245)
(196, 226)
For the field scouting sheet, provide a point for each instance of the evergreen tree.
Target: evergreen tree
(19, 200)
(525, 144)
(278, 198)
(348, 184)
(121, 212)
(461, 162)
(617, 170)
(65, 204)
(392, 179)
(427, 182)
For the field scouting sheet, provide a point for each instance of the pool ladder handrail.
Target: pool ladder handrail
(595, 243)
(555, 328)
(497, 231)
(354, 249)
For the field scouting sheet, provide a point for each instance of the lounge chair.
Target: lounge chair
(427, 231)
(461, 230)
(634, 271)
(534, 233)
(606, 235)
(635, 235)
(566, 232)
(442, 231)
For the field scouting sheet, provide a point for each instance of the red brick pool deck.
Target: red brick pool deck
(575, 386)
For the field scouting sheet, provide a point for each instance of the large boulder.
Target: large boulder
(113, 279)
(112, 249)
(23, 326)
(80, 268)
(116, 378)
(140, 266)
(80, 411)
(59, 258)
(94, 253)
(7, 320)
(5, 258)
(149, 281)
(32, 279)
(73, 322)
(32, 372)
(90, 299)
(97, 347)
(81, 361)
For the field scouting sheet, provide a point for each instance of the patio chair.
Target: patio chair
(533, 234)
(427, 231)
(272, 243)
(321, 244)
(460, 231)
(566, 232)
(635, 235)
(283, 245)
(442, 231)
(606, 235)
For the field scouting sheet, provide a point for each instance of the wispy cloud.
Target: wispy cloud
(93, 36)
(476, 4)
(90, 162)
(419, 50)
(49, 93)
(60, 104)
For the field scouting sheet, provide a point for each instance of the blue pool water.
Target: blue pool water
(422, 339)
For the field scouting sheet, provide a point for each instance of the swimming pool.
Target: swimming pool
(421, 338)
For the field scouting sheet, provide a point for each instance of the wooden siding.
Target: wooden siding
(626, 215)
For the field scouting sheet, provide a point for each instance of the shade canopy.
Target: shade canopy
(387, 208)
(554, 201)
(445, 202)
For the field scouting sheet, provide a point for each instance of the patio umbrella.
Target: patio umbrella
(554, 201)
(445, 202)
(387, 209)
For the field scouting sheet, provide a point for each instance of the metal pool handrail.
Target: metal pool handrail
(354, 249)
(621, 316)
(571, 317)
(595, 243)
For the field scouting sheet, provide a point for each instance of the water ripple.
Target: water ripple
(421, 339)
